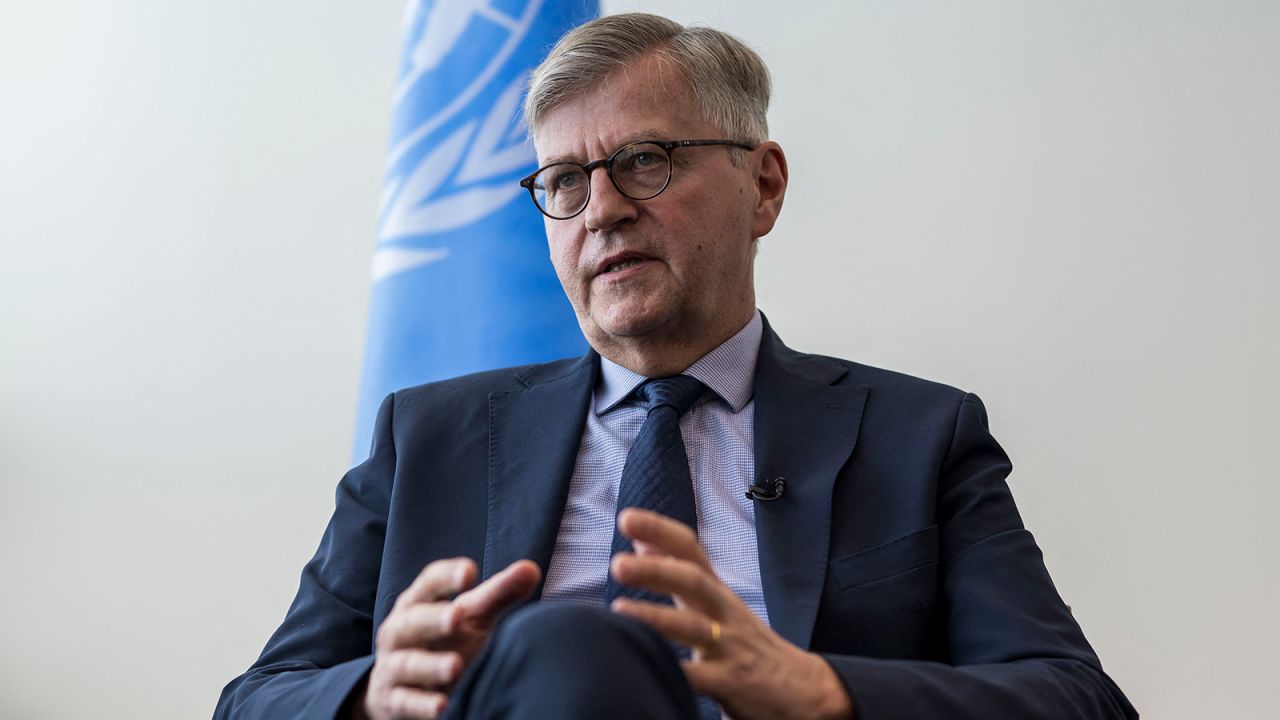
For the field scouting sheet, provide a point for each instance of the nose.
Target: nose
(607, 208)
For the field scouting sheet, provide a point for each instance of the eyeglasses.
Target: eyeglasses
(640, 171)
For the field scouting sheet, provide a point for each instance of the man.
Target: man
(838, 541)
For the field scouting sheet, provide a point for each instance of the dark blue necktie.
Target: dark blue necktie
(656, 477)
(656, 474)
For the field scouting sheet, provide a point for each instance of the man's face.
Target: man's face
(675, 266)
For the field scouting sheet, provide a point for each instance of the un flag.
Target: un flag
(461, 277)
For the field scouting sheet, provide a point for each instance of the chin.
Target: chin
(629, 325)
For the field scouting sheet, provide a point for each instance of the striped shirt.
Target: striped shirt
(718, 435)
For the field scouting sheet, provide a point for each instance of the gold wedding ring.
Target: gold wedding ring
(702, 650)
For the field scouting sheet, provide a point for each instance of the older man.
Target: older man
(795, 536)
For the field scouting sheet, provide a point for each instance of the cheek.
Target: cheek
(558, 260)
(564, 258)
(560, 249)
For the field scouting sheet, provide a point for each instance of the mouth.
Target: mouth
(620, 262)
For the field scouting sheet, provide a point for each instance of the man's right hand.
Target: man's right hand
(434, 631)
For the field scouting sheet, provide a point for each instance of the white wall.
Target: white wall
(1069, 208)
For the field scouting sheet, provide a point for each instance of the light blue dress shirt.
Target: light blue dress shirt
(718, 435)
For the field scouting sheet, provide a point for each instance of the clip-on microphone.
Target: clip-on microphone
(767, 490)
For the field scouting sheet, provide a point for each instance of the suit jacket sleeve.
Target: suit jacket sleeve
(323, 649)
(1014, 649)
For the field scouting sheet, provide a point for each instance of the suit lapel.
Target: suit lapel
(805, 430)
(534, 435)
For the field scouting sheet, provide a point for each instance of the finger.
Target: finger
(406, 702)
(421, 668)
(679, 624)
(662, 533)
(414, 626)
(643, 548)
(666, 575)
(483, 603)
(439, 580)
(708, 678)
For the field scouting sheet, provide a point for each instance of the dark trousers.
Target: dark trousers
(555, 660)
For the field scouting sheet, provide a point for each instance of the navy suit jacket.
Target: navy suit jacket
(896, 551)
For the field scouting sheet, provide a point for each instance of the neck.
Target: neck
(663, 354)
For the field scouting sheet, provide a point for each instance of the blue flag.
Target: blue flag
(461, 275)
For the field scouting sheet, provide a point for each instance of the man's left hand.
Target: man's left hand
(748, 668)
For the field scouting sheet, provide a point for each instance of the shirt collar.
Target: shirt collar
(729, 370)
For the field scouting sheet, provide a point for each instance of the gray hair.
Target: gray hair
(729, 80)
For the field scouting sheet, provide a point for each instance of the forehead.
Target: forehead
(646, 100)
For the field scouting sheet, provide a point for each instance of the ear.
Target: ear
(771, 184)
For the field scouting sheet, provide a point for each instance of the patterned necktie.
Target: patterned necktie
(656, 477)
(656, 474)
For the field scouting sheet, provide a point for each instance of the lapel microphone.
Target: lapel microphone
(767, 490)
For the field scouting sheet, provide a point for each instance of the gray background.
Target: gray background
(1069, 208)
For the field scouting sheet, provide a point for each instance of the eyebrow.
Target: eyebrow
(641, 136)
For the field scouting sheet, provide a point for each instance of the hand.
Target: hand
(427, 640)
(748, 668)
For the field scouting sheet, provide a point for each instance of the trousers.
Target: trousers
(558, 660)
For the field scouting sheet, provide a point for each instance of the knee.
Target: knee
(591, 660)
(572, 633)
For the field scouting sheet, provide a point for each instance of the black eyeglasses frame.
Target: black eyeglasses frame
(668, 146)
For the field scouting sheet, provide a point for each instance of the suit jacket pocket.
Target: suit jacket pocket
(909, 552)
